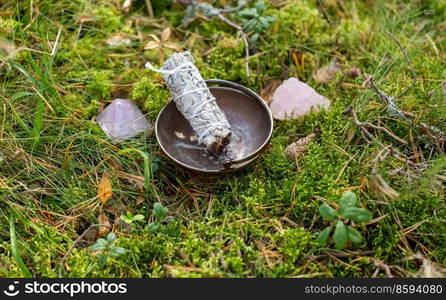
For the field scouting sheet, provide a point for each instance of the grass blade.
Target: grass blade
(14, 250)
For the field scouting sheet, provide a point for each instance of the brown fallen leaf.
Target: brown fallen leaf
(119, 40)
(377, 183)
(428, 268)
(126, 5)
(162, 42)
(327, 73)
(268, 90)
(105, 190)
(103, 220)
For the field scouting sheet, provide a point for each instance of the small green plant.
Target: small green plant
(348, 211)
(129, 218)
(160, 214)
(106, 249)
(254, 19)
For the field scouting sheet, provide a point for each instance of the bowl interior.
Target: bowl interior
(250, 123)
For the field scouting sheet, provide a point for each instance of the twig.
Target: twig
(435, 134)
(319, 4)
(377, 184)
(149, 8)
(395, 153)
(363, 126)
(75, 243)
(244, 37)
(381, 266)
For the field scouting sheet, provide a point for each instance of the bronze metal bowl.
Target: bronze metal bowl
(248, 114)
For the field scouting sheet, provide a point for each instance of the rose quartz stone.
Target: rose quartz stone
(293, 99)
(122, 119)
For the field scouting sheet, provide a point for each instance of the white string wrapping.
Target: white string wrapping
(194, 100)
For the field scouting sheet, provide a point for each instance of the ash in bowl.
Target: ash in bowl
(235, 150)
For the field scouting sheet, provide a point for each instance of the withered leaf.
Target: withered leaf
(327, 73)
(105, 190)
(103, 220)
(165, 35)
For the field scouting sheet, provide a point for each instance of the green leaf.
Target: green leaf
(260, 6)
(97, 247)
(248, 12)
(264, 22)
(327, 212)
(126, 219)
(101, 242)
(357, 214)
(116, 251)
(254, 37)
(270, 19)
(322, 238)
(354, 235)
(138, 218)
(340, 236)
(102, 260)
(111, 237)
(153, 227)
(159, 210)
(349, 199)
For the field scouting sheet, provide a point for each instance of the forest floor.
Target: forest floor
(62, 62)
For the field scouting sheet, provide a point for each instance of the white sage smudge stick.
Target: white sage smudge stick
(194, 100)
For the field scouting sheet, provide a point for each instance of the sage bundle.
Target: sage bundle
(194, 100)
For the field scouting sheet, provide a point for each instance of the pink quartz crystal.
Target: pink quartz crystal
(293, 99)
(122, 119)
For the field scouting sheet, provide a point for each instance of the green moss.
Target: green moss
(100, 83)
(153, 95)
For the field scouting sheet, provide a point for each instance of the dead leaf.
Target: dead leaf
(172, 46)
(165, 35)
(140, 200)
(8, 49)
(103, 220)
(328, 73)
(81, 19)
(6, 13)
(428, 269)
(268, 90)
(105, 190)
(151, 45)
(381, 188)
(126, 5)
(118, 40)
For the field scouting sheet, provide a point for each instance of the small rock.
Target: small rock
(298, 148)
(122, 119)
(294, 98)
